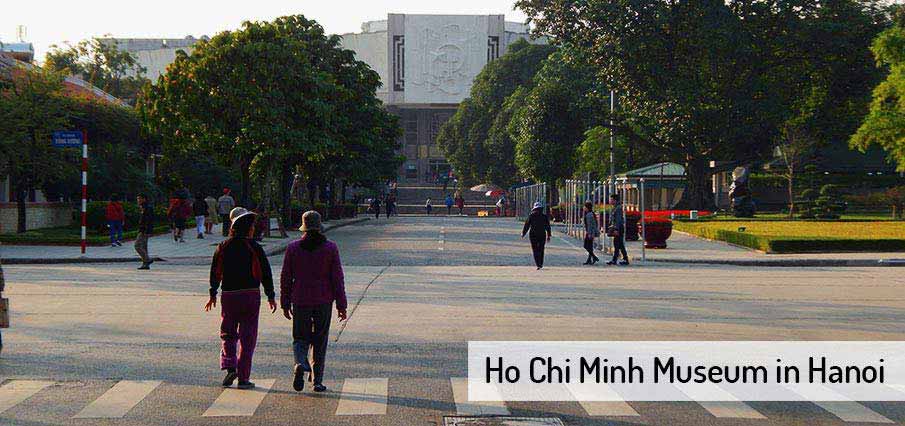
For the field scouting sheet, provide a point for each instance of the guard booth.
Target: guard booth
(664, 184)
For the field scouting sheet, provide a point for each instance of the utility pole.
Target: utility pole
(612, 137)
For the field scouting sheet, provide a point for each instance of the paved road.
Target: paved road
(106, 340)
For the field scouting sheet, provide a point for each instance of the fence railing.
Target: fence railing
(526, 196)
(575, 193)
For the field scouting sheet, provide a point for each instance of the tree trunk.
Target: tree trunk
(791, 195)
(21, 224)
(245, 165)
(698, 194)
(285, 194)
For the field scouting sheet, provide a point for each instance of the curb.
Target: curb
(787, 263)
(278, 249)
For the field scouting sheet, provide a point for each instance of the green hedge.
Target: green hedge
(798, 245)
(69, 236)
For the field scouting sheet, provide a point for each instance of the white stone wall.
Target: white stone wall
(443, 54)
(37, 216)
(371, 48)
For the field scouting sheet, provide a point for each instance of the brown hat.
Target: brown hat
(311, 221)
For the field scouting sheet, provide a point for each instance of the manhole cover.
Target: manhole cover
(502, 421)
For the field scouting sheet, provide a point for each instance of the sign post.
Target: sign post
(75, 139)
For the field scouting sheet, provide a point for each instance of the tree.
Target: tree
(475, 140)
(885, 123)
(696, 80)
(553, 117)
(31, 108)
(102, 64)
(281, 92)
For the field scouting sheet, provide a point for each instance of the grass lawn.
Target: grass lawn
(873, 216)
(785, 236)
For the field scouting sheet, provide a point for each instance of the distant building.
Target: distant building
(154, 54)
(427, 64)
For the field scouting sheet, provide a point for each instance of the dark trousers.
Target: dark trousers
(116, 230)
(310, 329)
(589, 246)
(537, 247)
(239, 311)
(377, 213)
(226, 224)
(619, 246)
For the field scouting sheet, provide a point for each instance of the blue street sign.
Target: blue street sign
(67, 139)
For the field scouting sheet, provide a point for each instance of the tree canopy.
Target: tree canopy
(101, 63)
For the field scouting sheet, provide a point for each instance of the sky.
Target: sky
(58, 22)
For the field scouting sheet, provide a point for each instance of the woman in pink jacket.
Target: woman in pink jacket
(311, 280)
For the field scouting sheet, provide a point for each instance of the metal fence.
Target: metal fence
(526, 196)
(575, 193)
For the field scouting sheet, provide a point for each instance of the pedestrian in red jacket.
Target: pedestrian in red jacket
(116, 217)
(311, 280)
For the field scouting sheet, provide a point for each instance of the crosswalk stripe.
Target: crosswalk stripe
(832, 401)
(16, 391)
(118, 400)
(718, 402)
(363, 397)
(474, 408)
(235, 402)
(584, 391)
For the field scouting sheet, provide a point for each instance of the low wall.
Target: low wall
(38, 215)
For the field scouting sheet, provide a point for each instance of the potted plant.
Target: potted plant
(632, 218)
(656, 231)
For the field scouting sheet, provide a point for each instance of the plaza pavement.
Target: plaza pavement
(136, 348)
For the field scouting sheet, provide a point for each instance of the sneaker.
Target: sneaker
(298, 380)
(144, 266)
(624, 263)
(612, 262)
(114, 245)
(318, 387)
(245, 385)
(119, 243)
(230, 377)
(200, 237)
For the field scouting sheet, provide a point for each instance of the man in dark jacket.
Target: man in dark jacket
(145, 230)
(537, 226)
(618, 231)
(199, 208)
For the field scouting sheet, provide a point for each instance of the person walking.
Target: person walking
(116, 216)
(145, 230)
(179, 211)
(460, 203)
(617, 231)
(429, 205)
(537, 226)
(225, 204)
(375, 207)
(449, 204)
(199, 208)
(591, 231)
(240, 268)
(213, 216)
(310, 282)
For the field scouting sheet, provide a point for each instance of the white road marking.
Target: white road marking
(714, 399)
(849, 411)
(16, 391)
(118, 400)
(235, 402)
(363, 397)
(474, 408)
(583, 391)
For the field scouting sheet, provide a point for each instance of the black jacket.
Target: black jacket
(537, 224)
(241, 264)
(199, 207)
(146, 220)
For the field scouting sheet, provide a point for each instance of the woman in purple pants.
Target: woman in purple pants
(240, 267)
